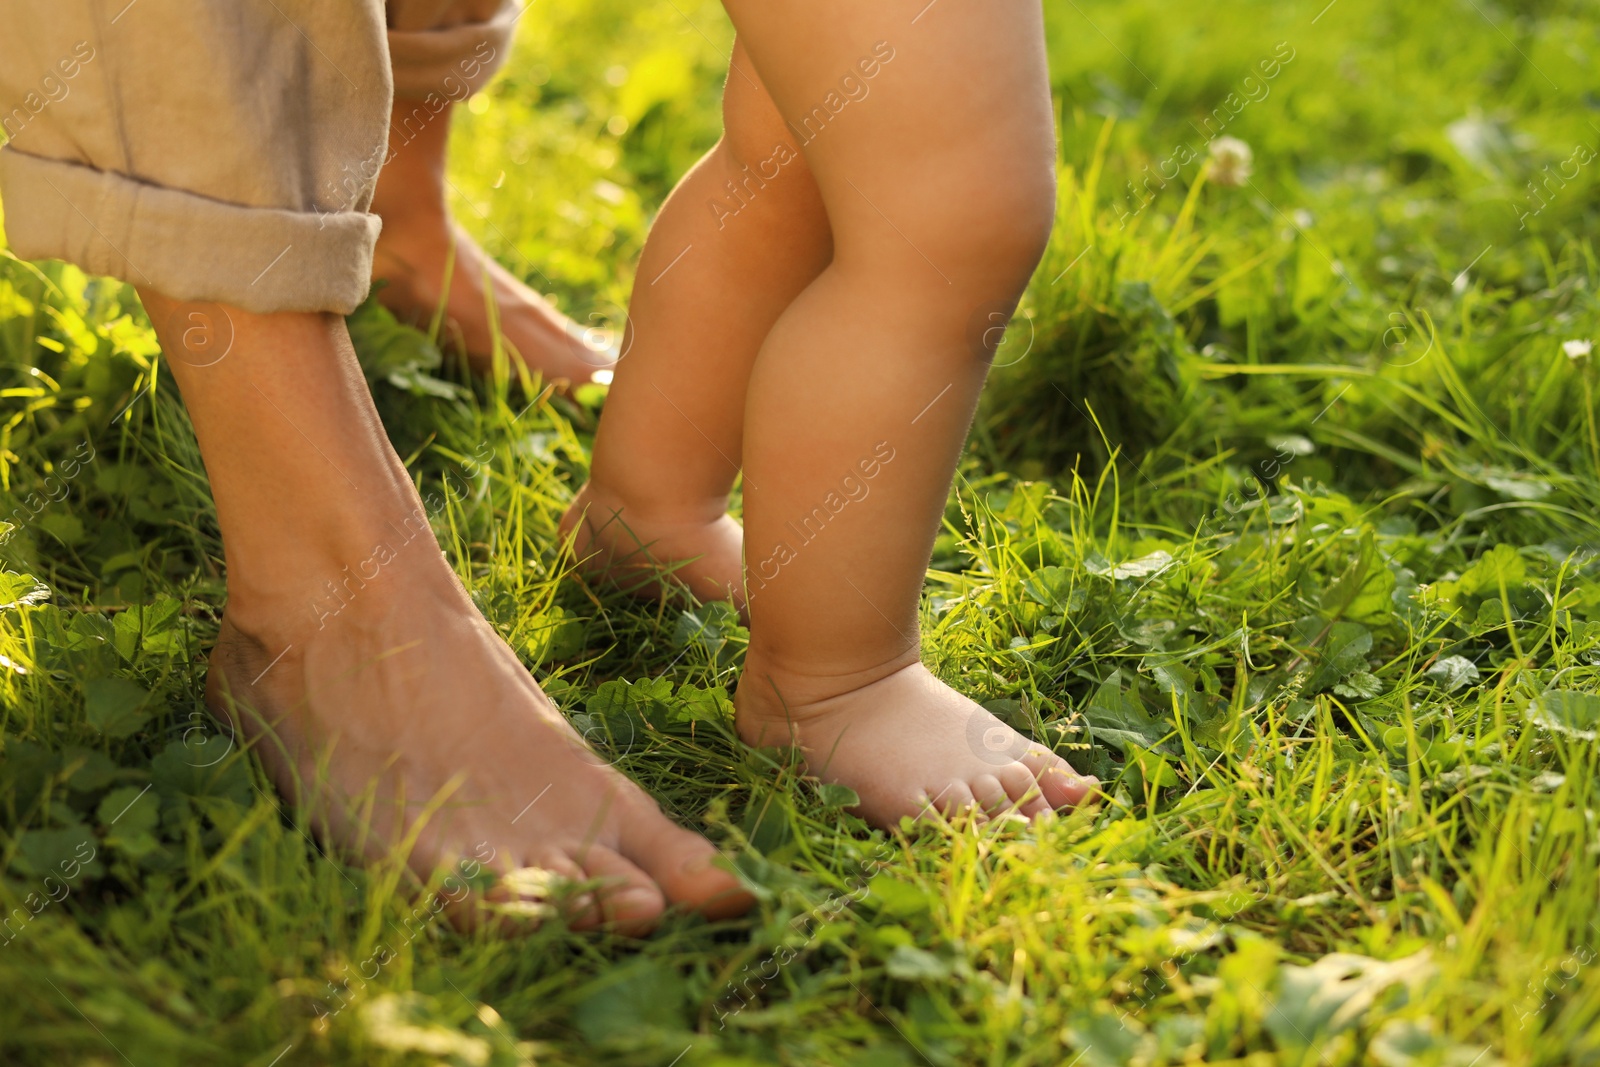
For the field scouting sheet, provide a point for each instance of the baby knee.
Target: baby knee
(751, 168)
(758, 146)
(753, 128)
(1002, 233)
(759, 162)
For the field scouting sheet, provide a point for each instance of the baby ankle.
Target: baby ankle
(806, 677)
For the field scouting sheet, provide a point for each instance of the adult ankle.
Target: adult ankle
(283, 588)
(412, 179)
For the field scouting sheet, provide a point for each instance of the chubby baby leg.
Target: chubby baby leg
(741, 235)
(929, 131)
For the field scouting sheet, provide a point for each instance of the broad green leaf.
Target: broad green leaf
(88, 769)
(79, 632)
(768, 828)
(67, 854)
(1359, 685)
(25, 768)
(1362, 592)
(129, 810)
(624, 709)
(188, 770)
(1014, 713)
(707, 628)
(125, 634)
(151, 627)
(1056, 588)
(1418, 1043)
(1119, 718)
(1342, 652)
(121, 479)
(834, 795)
(707, 625)
(1502, 563)
(641, 994)
(68, 529)
(1154, 770)
(911, 964)
(1454, 672)
(1567, 711)
(1515, 484)
(1100, 1037)
(889, 896)
(386, 346)
(115, 706)
(21, 590)
(1172, 675)
(693, 704)
(1334, 993)
(1143, 567)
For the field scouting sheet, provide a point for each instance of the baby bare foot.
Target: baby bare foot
(413, 254)
(905, 742)
(375, 703)
(639, 551)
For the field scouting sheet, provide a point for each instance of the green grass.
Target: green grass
(1278, 517)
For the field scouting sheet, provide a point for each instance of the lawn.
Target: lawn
(1279, 516)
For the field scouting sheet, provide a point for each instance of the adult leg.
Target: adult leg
(354, 658)
(742, 234)
(442, 51)
(349, 652)
(930, 133)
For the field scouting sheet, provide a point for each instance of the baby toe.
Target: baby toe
(949, 801)
(1023, 789)
(1061, 785)
(990, 794)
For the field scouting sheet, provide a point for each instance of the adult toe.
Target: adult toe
(630, 901)
(686, 867)
(527, 892)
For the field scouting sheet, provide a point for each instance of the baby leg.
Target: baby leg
(740, 236)
(929, 130)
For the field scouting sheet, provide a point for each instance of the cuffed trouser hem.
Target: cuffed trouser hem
(184, 245)
(453, 61)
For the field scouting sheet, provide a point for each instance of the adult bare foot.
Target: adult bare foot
(374, 701)
(694, 549)
(904, 741)
(421, 247)
(376, 694)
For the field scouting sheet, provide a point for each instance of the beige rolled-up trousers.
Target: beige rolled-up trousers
(223, 151)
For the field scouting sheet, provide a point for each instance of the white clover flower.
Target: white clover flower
(1577, 348)
(1230, 161)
